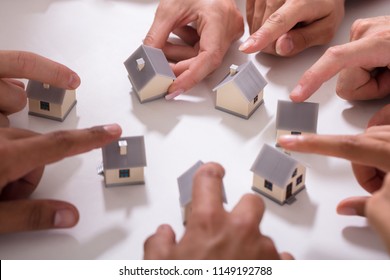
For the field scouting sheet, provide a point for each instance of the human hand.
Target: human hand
(211, 232)
(368, 152)
(377, 211)
(17, 64)
(23, 157)
(363, 64)
(207, 29)
(287, 27)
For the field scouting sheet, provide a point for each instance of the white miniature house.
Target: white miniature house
(277, 175)
(241, 92)
(296, 118)
(124, 161)
(49, 102)
(149, 73)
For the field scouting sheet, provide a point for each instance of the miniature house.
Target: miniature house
(124, 161)
(149, 73)
(241, 91)
(296, 118)
(185, 190)
(49, 102)
(277, 176)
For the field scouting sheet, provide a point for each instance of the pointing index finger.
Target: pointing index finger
(19, 64)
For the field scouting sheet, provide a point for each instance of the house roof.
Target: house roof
(274, 166)
(155, 64)
(185, 184)
(135, 157)
(36, 90)
(248, 79)
(297, 116)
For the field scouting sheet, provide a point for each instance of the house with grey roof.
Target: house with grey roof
(185, 190)
(49, 102)
(124, 161)
(241, 92)
(277, 175)
(296, 118)
(149, 73)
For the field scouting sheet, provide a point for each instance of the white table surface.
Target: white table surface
(94, 37)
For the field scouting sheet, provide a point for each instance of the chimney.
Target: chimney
(46, 86)
(140, 64)
(233, 69)
(122, 147)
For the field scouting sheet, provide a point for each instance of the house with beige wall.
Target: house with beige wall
(124, 161)
(149, 73)
(277, 175)
(49, 102)
(241, 92)
(296, 118)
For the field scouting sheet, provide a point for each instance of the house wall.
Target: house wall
(69, 99)
(136, 177)
(156, 88)
(185, 212)
(252, 106)
(230, 98)
(34, 107)
(277, 193)
(281, 132)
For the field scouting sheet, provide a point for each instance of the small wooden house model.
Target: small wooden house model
(124, 161)
(185, 190)
(241, 92)
(296, 118)
(49, 102)
(277, 175)
(149, 73)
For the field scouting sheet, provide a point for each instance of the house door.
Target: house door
(289, 191)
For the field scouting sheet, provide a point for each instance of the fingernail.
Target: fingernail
(288, 140)
(172, 95)
(64, 218)
(296, 92)
(284, 46)
(162, 228)
(347, 211)
(247, 44)
(113, 129)
(74, 81)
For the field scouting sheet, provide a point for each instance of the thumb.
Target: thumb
(382, 117)
(353, 206)
(159, 245)
(27, 215)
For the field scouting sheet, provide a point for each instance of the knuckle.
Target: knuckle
(36, 217)
(359, 26)
(246, 224)
(335, 53)
(216, 58)
(206, 217)
(277, 19)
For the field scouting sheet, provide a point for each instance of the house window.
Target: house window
(299, 179)
(294, 173)
(296, 133)
(124, 173)
(45, 106)
(268, 185)
(255, 99)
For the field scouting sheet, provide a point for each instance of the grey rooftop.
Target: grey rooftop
(248, 79)
(297, 116)
(37, 91)
(155, 64)
(135, 157)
